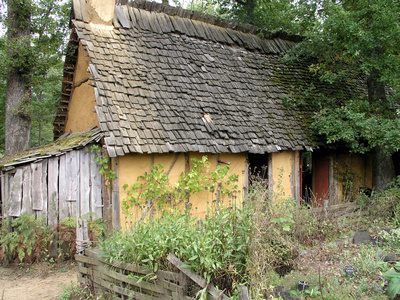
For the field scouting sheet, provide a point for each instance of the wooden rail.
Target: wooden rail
(121, 279)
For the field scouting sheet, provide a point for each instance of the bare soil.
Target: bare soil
(38, 281)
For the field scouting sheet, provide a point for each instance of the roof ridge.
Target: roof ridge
(152, 6)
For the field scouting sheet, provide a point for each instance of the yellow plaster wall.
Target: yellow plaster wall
(100, 11)
(283, 164)
(356, 168)
(134, 165)
(81, 115)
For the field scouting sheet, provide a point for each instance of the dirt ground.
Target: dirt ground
(38, 281)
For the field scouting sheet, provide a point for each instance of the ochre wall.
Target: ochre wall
(356, 168)
(134, 165)
(81, 115)
(285, 175)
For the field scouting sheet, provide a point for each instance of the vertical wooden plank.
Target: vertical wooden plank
(270, 178)
(295, 177)
(85, 188)
(3, 194)
(43, 213)
(333, 182)
(27, 191)
(74, 180)
(69, 180)
(63, 188)
(52, 191)
(15, 198)
(96, 200)
(115, 196)
(5, 190)
(37, 192)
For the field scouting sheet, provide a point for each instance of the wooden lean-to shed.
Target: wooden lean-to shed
(55, 181)
(165, 85)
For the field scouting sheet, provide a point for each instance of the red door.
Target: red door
(321, 174)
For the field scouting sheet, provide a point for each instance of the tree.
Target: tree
(36, 31)
(291, 16)
(358, 40)
(354, 41)
(18, 77)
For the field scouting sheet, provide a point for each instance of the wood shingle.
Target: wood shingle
(173, 80)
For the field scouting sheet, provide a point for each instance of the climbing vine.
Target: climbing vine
(104, 162)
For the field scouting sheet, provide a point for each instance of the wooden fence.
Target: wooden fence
(349, 209)
(53, 186)
(121, 280)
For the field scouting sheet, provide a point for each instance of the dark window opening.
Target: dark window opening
(306, 178)
(258, 168)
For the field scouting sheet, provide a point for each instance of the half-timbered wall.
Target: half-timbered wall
(54, 188)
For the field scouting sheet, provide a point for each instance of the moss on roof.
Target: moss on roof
(60, 146)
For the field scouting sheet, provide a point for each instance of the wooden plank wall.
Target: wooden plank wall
(54, 188)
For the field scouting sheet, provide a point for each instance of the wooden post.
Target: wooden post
(115, 196)
(82, 235)
(244, 293)
(196, 278)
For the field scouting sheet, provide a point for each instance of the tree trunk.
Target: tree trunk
(382, 164)
(18, 96)
(250, 6)
(382, 169)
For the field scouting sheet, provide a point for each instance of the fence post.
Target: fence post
(82, 235)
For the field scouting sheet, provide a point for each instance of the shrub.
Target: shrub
(216, 247)
(32, 240)
(28, 242)
(384, 207)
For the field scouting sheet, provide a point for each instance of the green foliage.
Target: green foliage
(40, 56)
(290, 16)
(349, 179)
(384, 207)
(393, 276)
(154, 187)
(75, 291)
(392, 237)
(354, 44)
(209, 7)
(104, 162)
(30, 239)
(359, 125)
(216, 247)
(45, 100)
(28, 242)
(97, 228)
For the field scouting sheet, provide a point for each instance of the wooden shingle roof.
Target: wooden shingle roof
(173, 80)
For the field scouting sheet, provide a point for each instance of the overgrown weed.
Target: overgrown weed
(28, 239)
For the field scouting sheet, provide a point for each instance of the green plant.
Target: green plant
(349, 180)
(76, 291)
(104, 162)
(29, 240)
(368, 261)
(216, 247)
(285, 221)
(393, 275)
(272, 249)
(384, 207)
(97, 228)
(155, 189)
(392, 237)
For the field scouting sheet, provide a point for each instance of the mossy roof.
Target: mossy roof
(172, 80)
(67, 142)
